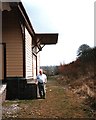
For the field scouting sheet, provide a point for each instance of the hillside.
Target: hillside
(79, 76)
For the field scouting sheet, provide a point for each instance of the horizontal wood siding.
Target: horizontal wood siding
(38, 62)
(14, 45)
(34, 66)
(28, 54)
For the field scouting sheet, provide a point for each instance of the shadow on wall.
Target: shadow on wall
(18, 88)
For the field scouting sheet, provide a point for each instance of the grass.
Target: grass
(59, 103)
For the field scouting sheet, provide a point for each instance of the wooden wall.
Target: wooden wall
(11, 35)
(28, 54)
(38, 62)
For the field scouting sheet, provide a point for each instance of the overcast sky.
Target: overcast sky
(73, 20)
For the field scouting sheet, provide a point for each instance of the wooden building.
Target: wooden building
(20, 46)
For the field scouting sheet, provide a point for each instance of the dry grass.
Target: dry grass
(59, 103)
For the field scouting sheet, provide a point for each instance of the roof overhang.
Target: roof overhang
(47, 38)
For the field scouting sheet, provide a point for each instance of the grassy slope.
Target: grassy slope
(60, 102)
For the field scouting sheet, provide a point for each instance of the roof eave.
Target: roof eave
(47, 38)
